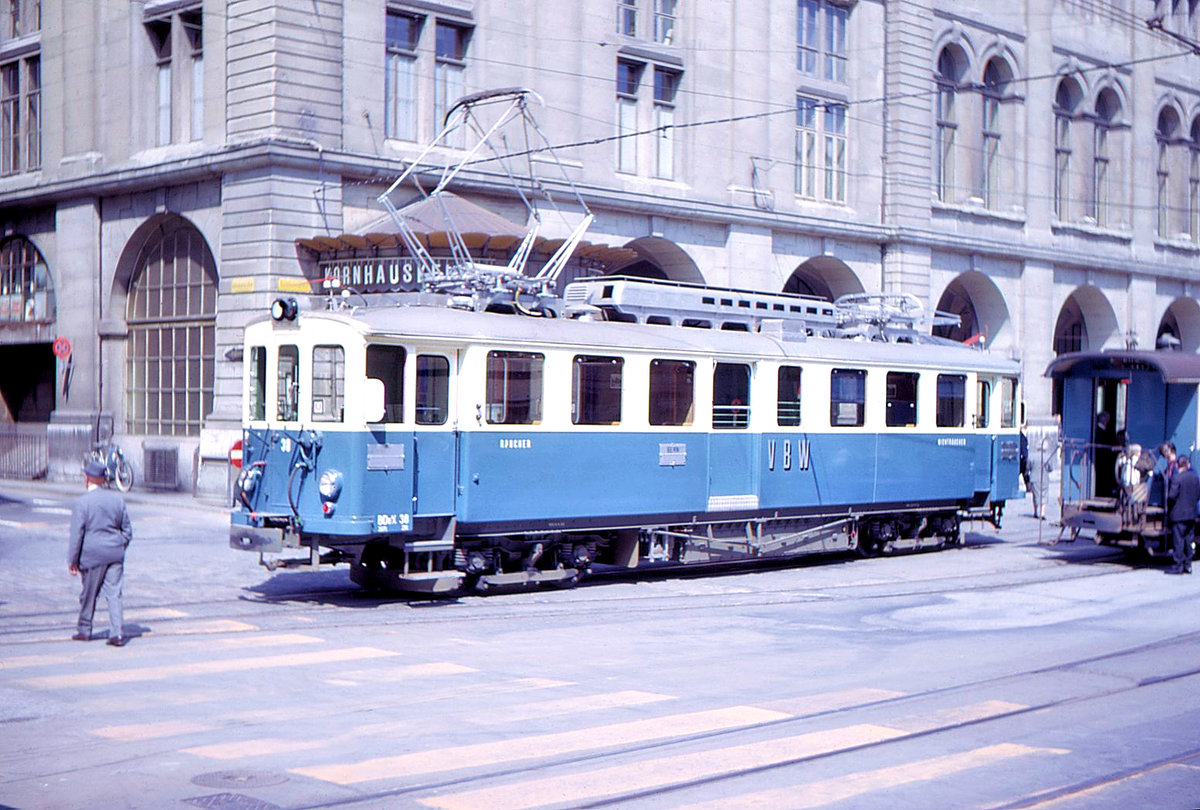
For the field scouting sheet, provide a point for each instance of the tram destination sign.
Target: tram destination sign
(380, 274)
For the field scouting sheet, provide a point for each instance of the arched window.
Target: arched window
(1194, 182)
(171, 313)
(1066, 104)
(996, 79)
(1167, 136)
(1108, 109)
(950, 68)
(26, 292)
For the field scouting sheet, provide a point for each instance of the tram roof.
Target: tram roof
(1172, 366)
(457, 324)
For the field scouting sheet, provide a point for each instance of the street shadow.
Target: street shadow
(332, 588)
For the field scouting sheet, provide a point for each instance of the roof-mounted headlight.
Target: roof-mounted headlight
(284, 309)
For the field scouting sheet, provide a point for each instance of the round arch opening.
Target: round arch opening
(823, 277)
(659, 258)
(982, 312)
(1179, 328)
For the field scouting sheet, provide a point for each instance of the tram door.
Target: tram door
(733, 467)
(1107, 433)
(435, 443)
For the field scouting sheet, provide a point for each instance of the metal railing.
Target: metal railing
(23, 451)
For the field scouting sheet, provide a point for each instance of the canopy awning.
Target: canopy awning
(1173, 367)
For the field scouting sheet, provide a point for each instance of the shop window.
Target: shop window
(26, 293)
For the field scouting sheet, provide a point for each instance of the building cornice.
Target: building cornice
(303, 155)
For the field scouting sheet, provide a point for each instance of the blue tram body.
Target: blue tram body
(1113, 479)
(434, 447)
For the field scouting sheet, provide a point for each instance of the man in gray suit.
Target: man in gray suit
(100, 531)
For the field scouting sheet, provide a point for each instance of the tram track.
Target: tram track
(498, 607)
(732, 736)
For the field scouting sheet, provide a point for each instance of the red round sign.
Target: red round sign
(62, 348)
(235, 455)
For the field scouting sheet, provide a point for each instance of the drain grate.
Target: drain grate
(231, 801)
(238, 778)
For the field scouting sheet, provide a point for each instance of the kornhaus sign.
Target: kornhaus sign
(380, 274)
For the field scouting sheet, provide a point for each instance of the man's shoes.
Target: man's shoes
(1175, 569)
(117, 641)
(81, 637)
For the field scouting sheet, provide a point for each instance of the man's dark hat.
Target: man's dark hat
(95, 469)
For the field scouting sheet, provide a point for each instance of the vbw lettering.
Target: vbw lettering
(799, 459)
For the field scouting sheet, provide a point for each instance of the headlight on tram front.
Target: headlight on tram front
(330, 485)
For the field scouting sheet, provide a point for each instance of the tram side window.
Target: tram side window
(901, 399)
(258, 383)
(433, 389)
(514, 388)
(386, 363)
(672, 392)
(288, 384)
(1008, 402)
(329, 384)
(951, 400)
(847, 397)
(731, 396)
(788, 408)
(596, 390)
(983, 404)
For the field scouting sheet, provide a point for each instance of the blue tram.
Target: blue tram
(1118, 409)
(436, 444)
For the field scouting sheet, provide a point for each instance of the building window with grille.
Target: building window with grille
(665, 21)
(400, 77)
(1107, 112)
(1066, 102)
(821, 149)
(949, 73)
(627, 18)
(1173, 169)
(629, 78)
(24, 17)
(193, 29)
(171, 313)
(995, 85)
(821, 40)
(160, 42)
(26, 291)
(666, 85)
(449, 73)
(1194, 183)
(21, 116)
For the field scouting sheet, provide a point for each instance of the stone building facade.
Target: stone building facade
(168, 167)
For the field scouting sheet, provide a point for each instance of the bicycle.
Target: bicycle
(117, 469)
